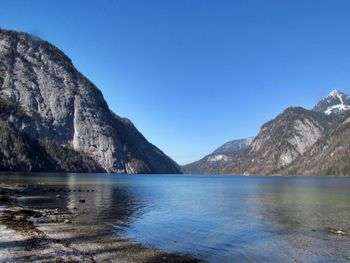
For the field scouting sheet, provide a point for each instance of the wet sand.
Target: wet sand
(52, 235)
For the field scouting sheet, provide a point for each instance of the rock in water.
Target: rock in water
(51, 106)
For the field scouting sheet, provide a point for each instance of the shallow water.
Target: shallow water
(216, 218)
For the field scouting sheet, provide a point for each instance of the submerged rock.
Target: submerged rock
(335, 231)
(4, 198)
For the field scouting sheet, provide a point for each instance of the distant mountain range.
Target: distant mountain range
(233, 147)
(213, 162)
(296, 142)
(52, 118)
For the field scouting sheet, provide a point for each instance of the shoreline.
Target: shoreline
(50, 235)
(186, 174)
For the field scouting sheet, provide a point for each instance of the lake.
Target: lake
(216, 218)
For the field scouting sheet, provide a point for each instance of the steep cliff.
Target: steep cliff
(59, 106)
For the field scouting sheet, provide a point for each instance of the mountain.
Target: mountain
(234, 146)
(329, 156)
(213, 163)
(288, 143)
(54, 119)
(281, 141)
(336, 102)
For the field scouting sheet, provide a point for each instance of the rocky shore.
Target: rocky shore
(52, 235)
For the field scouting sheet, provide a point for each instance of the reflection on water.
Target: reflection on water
(215, 218)
(94, 199)
(300, 210)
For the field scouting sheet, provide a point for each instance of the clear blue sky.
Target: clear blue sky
(193, 74)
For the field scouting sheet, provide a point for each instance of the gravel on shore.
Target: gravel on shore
(50, 235)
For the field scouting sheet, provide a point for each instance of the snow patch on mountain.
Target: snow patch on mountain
(217, 158)
(337, 109)
(234, 146)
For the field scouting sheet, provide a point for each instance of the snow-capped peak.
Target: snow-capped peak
(335, 102)
(335, 93)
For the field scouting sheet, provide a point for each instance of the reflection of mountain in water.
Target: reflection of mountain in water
(99, 202)
(93, 200)
(301, 210)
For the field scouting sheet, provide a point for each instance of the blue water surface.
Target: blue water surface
(216, 218)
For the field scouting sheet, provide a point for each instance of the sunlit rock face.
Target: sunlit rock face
(330, 155)
(58, 103)
(284, 139)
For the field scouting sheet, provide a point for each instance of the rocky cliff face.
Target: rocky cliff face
(60, 105)
(280, 142)
(330, 155)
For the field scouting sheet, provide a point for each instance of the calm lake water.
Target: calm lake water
(219, 219)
